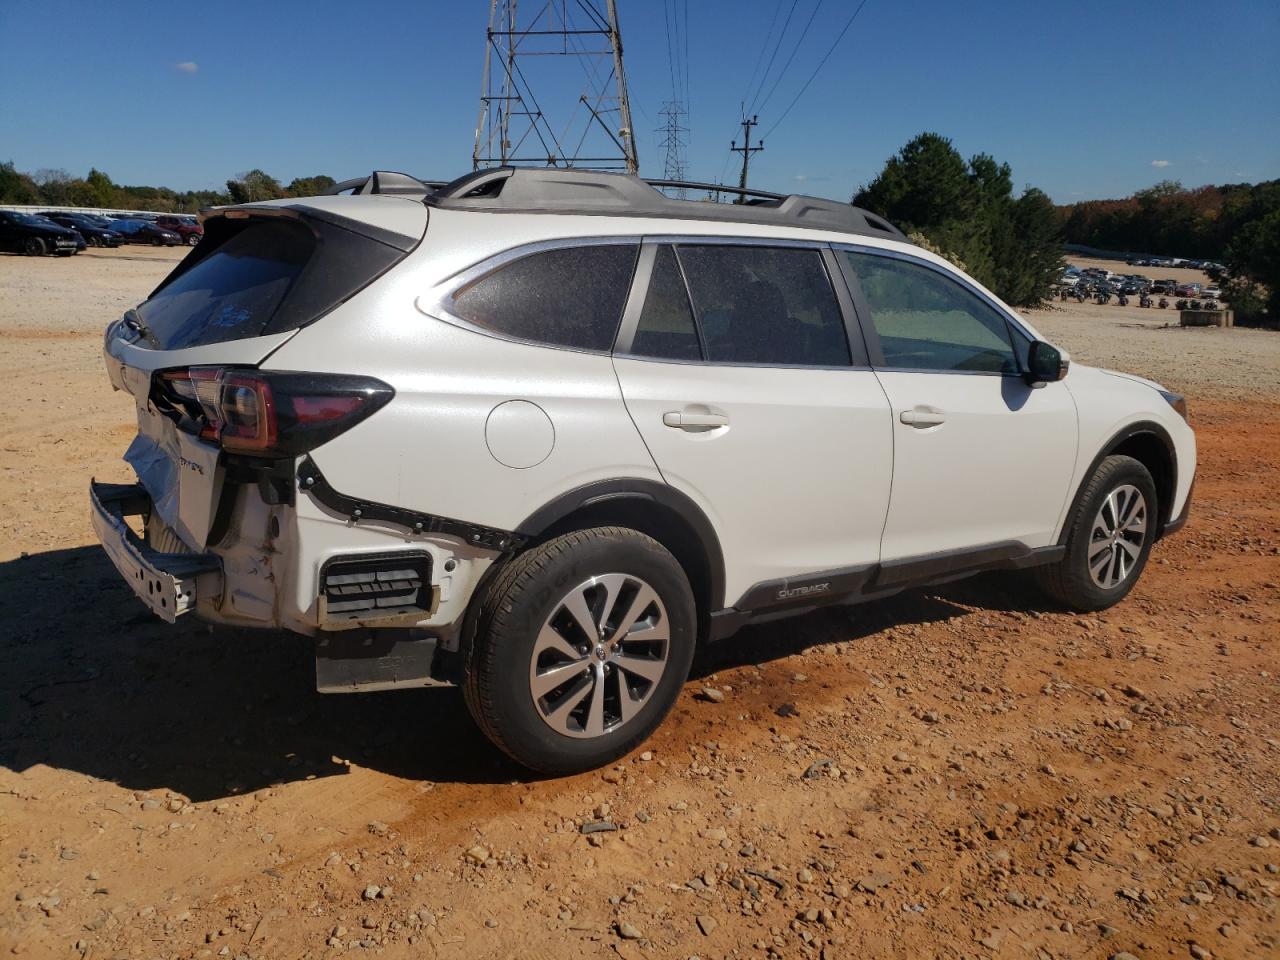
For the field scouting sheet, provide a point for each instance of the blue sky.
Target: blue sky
(1085, 100)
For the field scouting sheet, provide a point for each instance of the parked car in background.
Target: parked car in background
(188, 228)
(1187, 290)
(144, 231)
(35, 236)
(94, 231)
(1212, 292)
(1163, 286)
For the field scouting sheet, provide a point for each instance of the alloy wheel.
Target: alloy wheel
(599, 656)
(1116, 540)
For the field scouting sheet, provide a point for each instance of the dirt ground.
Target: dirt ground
(950, 773)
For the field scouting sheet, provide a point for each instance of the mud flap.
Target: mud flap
(356, 661)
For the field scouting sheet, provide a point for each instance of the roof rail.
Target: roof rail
(589, 192)
(387, 182)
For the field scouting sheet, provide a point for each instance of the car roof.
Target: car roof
(554, 190)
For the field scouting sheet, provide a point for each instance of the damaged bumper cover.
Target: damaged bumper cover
(168, 583)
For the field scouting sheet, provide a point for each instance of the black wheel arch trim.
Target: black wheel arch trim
(1127, 432)
(635, 489)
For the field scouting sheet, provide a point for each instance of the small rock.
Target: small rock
(787, 710)
(646, 756)
(1199, 952)
(1260, 841)
(371, 892)
(712, 694)
(1047, 770)
(477, 854)
(1123, 955)
(627, 932)
(491, 923)
(378, 828)
(706, 924)
(69, 854)
(931, 716)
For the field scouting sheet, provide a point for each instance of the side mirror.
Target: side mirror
(1045, 363)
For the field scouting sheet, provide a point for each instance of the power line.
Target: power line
(794, 51)
(813, 76)
(751, 81)
(773, 56)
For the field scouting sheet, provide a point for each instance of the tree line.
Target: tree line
(58, 188)
(1237, 224)
(966, 211)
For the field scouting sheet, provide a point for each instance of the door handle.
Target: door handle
(684, 420)
(921, 419)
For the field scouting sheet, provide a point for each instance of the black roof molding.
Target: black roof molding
(387, 182)
(590, 192)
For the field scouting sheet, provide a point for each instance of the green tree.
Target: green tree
(1254, 255)
(968, 209)
(99, 190)
(309, 186)
(253, 187)
(16, 187)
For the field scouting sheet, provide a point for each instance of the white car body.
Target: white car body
(810, 480)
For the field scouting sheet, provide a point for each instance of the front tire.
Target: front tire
(1109, 537)
(34, 247)
(582, 645)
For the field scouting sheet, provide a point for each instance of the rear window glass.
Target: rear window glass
(765, 305)
(233, 292)
(567, 297)
(666, 329)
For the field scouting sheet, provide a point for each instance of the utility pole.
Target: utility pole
(746, 150)
(530, 55)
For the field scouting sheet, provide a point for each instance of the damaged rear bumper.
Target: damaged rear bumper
(168, 583)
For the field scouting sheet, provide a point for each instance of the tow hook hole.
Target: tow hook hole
(449, 565)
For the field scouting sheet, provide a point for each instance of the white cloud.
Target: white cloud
(1159, 163)
(186, 66)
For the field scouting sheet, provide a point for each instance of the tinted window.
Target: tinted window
(928, 322)
(567, 297)
(665, 329)
(232, 292)
(769, 305)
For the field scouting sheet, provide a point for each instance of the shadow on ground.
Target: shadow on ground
(90, 681)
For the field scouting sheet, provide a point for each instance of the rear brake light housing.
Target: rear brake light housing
(267, 414)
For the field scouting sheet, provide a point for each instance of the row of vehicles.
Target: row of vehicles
(1208, 266)
(66, 233)
(1095, 280)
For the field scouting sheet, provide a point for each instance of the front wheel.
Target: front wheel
(581, 647)
(35, 247)
(1109, 537)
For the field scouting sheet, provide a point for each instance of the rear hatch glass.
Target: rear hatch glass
(264, 271)
(233, 292)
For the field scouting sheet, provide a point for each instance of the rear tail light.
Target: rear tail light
(263, 414)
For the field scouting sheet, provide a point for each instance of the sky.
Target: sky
(1084, 100)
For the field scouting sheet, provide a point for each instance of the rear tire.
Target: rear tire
(34, 247)
(547, 685)
(1110, 533)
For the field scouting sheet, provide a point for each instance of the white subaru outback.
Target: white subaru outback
(541, 432)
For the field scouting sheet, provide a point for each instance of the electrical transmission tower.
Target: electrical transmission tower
(533, 54)
(673, 142)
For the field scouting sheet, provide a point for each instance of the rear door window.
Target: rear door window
(563, 297)
(765, 305)
(666, 330)
(232, 292)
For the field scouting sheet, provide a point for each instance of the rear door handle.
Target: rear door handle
(684, 420)
(921, 418)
